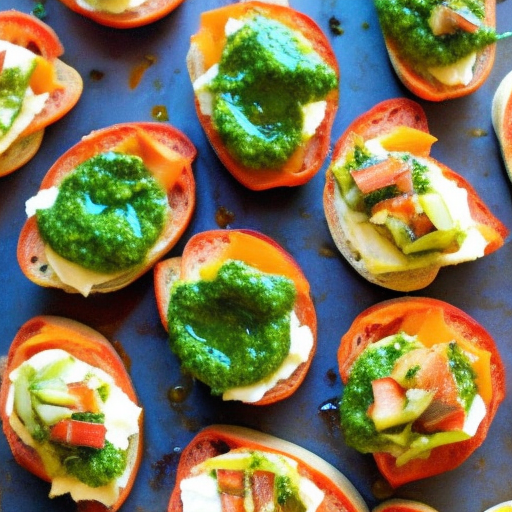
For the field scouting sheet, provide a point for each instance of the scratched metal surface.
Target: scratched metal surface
(294, 217)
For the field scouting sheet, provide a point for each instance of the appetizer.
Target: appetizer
(123, 13)
(423, 382)
(36, 87)
(440, 49)
(401, 505)
(70, 413)
(109, 208)
(265, 84)
(396, 214)
(239, 315)
(501, 116)
(228, 468)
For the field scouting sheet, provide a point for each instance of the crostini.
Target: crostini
(123, 14)
(423, 382)
(109, 208)
(396, 214)
(265, 82)
(226, 466)
(501, 116)
(239, 315)
(70, 413)
(37, 88)
(440, 49)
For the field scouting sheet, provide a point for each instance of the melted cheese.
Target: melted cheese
(300, 347)
(110, 6)
(459, 73)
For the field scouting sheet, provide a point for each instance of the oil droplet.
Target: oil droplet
(327, 252)
(329, 412)
(159, 113)
(382, 490)
(478, 132)
(96, 75)
(335, 26)
(224, 217)
(180, 390)
(138, 71)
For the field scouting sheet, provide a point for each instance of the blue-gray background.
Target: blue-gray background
(293, 217)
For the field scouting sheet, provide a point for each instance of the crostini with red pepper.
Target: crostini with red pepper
(265, 82)
(395, 213)
(239, 315)
(440, 49)
(37, 87)
(63, 391)
(124, 14)
(423, 382)
(401, 505)
(109, 208)
(225, 466)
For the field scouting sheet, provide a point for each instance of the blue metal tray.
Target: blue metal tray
(106, 59)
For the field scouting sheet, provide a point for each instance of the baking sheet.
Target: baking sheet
(107, 60)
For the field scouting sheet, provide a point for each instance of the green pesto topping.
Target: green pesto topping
(233, 330)
(108, 214)
(94, 467)
(406, 22)
(266, 74)
(13, 84)
(464, 375)
(89, 417)
(375, 362)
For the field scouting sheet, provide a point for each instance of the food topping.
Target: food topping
(78, 421)
(236, 329)
(266, 96)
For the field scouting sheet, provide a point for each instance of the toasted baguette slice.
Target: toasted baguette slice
(29, 32)
(306, 161)
(180, 193)
(50, 332)
(339, 493)
(502, 119)
(380, 120)
(433, 321)
(146, 13)
(427, 87)
(210, 247)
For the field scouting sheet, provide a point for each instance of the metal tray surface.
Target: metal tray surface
(293, 217)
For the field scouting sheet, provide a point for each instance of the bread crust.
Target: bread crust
(181, 199)
(427, 87)
(382, 320)
(379, 120)
(205, 248)
(313, 154)
(89, 346)
(340, 494)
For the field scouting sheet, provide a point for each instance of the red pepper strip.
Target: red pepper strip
(388, 398)
(441, 417)
(79, 433)
(86, 397)
(231, 481)
(231, 503)
(263, 490)
(383, 174)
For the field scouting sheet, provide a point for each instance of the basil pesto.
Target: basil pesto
(266, 74)
(406, 22)
(233, 330)
(108, 213)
